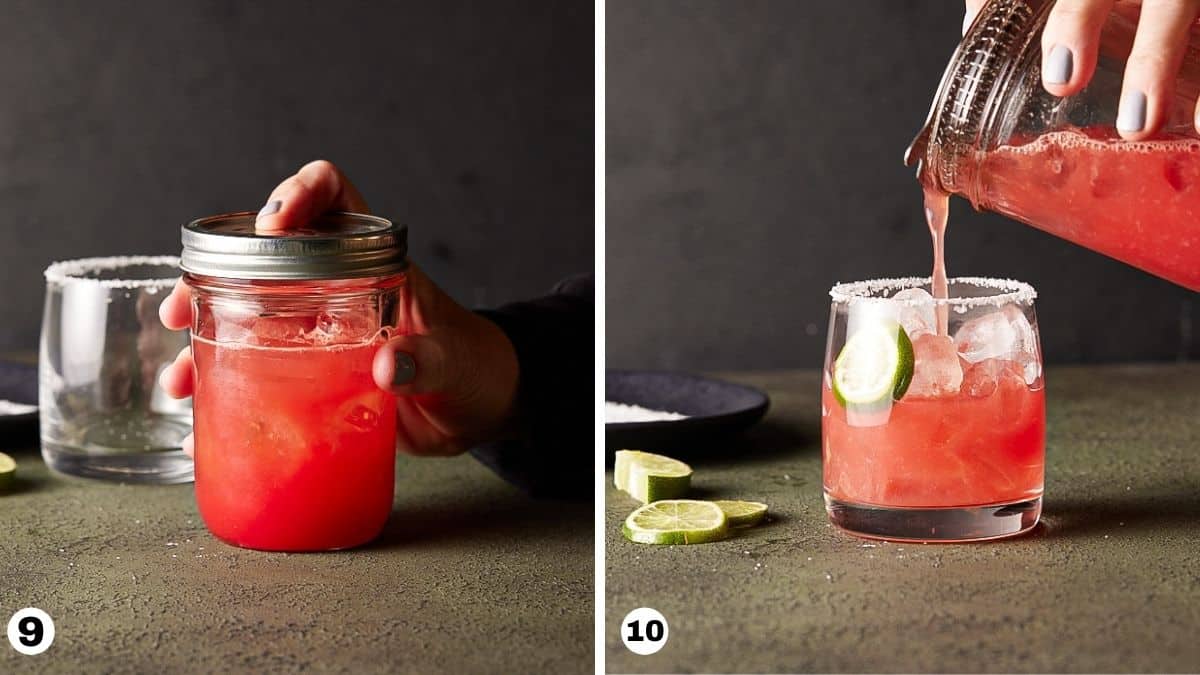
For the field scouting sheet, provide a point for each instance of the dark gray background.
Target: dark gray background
(470, 121)
(754, 159)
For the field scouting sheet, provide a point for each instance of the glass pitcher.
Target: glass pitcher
(995, 136)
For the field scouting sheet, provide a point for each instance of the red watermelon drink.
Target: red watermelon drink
(929, 436)
(1136, 202)
(294, 441)
(295, 446)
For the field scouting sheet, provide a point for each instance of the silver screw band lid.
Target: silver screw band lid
(337, 245)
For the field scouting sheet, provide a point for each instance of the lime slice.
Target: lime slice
(742, 514)
(8, 471)
(648, 477)
(875, 366)
(676, 521)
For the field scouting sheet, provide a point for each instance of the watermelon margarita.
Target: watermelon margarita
(295, 446)
(932, 433)
(982, 444)
(1138, 202)
(294, 441)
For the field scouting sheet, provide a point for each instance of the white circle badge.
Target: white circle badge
(30, 631)
(644, 631)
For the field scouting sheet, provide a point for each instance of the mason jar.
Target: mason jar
(294, 442)
(995, 136)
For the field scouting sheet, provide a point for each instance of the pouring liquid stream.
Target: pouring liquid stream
(937, 210)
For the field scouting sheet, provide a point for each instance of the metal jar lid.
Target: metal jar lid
(335, 246)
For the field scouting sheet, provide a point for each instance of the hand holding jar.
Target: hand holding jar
(1078, 117)
(1073, 43)
(454, 372)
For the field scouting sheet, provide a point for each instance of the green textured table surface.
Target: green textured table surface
(1110, 581)
(470, 576)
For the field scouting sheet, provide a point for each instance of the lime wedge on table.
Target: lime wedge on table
(648, 477)
(8, 471)
(742, 514)
(875, 366)
(676, 521)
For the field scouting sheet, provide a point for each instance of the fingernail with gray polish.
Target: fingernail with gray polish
(1059, 64)
(1132, 116)
(270, 208)
(406, 369)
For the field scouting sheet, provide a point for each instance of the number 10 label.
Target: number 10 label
(644, 631)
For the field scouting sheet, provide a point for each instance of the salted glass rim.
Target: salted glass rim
(65, 271)
(1005, 291)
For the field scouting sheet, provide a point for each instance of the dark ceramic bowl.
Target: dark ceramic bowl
(716, 410)
(18, 383)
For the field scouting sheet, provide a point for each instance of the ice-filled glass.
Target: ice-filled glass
(933, 435)
(294, 442)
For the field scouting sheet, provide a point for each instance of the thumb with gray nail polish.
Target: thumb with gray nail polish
(270, 208)
(454, 377)
(411, 364)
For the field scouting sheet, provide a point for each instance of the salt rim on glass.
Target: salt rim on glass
(72, 271)
(880, 290)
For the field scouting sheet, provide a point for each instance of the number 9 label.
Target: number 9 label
(644, 631)
(30, 631)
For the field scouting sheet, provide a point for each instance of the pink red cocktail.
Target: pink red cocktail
(295, 446)
(930, 436)
(1136, 202)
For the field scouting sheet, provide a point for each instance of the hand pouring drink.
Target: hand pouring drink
(996, 137)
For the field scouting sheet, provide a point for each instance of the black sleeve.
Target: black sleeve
(554, 337)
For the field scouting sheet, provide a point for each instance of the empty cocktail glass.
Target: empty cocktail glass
(103, 414)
